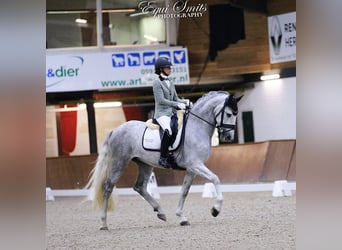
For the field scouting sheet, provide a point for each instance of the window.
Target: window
(124, 29)
(74, 24)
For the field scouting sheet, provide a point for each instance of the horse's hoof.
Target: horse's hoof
(214, 212)
(184, 223)
(104, 228)
(162, 216)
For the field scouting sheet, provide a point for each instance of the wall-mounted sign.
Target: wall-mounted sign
(109, 70)
(282, 37)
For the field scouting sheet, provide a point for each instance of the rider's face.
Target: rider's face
(167, 70)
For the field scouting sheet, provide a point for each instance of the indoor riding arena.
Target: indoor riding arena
(101, 68)
(248, 220)
(252, 217)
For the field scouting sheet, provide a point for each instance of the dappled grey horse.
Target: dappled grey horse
(216, 109)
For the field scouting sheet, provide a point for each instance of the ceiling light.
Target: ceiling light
(65, 108)
(107, 104)
(123, 10)
(151, 38)
(67, 11)
(269, 77)
(138, 14)
(119, 11)
(80, 20)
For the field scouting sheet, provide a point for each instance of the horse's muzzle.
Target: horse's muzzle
(226, 135)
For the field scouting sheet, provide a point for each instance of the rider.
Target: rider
(166, 103)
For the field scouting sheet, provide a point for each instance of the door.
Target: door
(248, 128)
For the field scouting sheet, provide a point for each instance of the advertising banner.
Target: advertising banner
(282, 37)
(110, 70)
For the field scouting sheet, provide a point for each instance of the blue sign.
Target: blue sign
(133, 59)
(149, 58)
(118, 60)
(179, 56)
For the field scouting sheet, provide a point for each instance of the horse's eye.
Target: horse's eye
(229, 115)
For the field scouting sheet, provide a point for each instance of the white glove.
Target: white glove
(188, 103)
(181, 105)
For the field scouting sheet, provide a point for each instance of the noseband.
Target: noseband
(221, 126)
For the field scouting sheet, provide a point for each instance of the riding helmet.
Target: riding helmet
(162, 62)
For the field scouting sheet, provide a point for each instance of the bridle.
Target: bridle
(220, 126)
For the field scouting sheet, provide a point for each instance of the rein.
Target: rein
(213, 125)
(222, 125)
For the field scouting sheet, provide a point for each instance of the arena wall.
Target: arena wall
(239, 163)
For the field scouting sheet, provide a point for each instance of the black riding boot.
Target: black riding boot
(164, 149)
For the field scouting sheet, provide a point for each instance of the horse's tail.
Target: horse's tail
(99, 175)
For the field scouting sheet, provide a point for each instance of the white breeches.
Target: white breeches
(164, 122)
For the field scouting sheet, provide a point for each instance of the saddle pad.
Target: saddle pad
(151, 140)
(180, 115)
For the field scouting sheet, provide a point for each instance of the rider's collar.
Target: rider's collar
(163, 77)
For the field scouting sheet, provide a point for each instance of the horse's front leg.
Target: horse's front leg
(188, 179)
(216, 209)
(203, 171)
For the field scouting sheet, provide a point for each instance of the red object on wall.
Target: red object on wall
(68, 130)
(133, 113)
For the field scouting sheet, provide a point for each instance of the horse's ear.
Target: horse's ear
(239, 98)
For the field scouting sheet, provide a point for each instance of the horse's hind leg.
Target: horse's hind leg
(116, 171)
(108, 189)
(144, 173)
(188, 179)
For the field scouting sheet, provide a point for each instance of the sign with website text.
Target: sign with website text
(110, 70)
(282, 37)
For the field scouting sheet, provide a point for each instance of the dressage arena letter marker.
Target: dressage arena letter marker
(281, 188)
(49, 195)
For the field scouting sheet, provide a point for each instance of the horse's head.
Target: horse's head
(226, 118)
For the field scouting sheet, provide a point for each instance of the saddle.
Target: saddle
(150, 123)
(151, 139)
